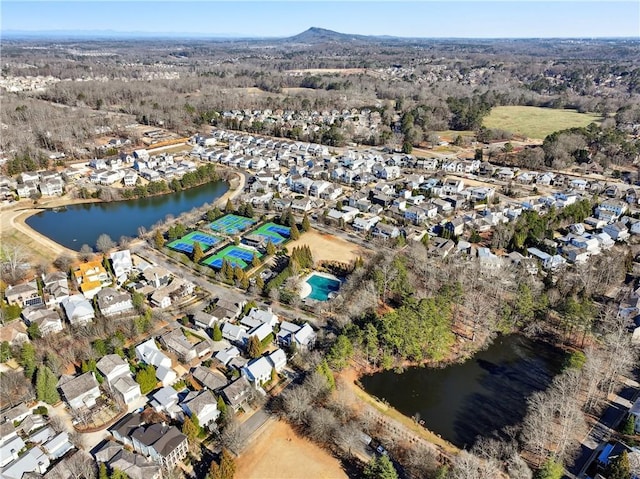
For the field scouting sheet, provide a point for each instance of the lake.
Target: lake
(464, 401)
(75, 225)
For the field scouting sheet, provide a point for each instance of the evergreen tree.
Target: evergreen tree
(259, 283)
(158, 239)
(34, 331)
(255, 348)
(217, 332)
(227, 465)
(380, 467)
(550, 470)
(5, 351)
(102, 471)
(146, 378)
(28, 359)
(237, 273)
(271, 249)
(229, 207)
(324, 369)
(619, 467)
(255, 261)
(244, 282)
(306, 224)
(291, 220)
(222, 407)
(189, 429)
(294, 234)
(197, 253)
(46, 382)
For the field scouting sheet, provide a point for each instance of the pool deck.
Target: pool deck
(305, 288)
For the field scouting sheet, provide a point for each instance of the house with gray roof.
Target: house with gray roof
(203, 404)
(78, 309)
(208, 378)
(81, 391)
(48, 320)
(237, 393)
(112, 302)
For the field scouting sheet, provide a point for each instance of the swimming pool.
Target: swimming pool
(322, 286)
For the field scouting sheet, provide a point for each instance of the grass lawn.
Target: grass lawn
(536, 122)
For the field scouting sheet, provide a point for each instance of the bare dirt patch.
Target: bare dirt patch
(326, 247)
(279, 453)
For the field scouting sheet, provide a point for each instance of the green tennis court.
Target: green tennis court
(231, 224)
(185, 244)
(234, 255)
(277, 234)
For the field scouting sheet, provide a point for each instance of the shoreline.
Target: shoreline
(13, 225)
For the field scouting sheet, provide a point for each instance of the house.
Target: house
(203, 404)
(91, 277)
(548, 261)
(10, 443)
(24, 295)
(149, 353)
(166, 400)
(52, 187)
(234, 333)
(298, 337)
(209, 378)
(57, 446)
(237, 393)
(258, 371)
(203, 320)
(263, 316)
(166, 376)
(112, 367)
(165, 445)
(121, 263)
(157, 276)
(226, 355)
(55, 288)
(81, 391)
(618, 231)
(48, 320)
(452, 186)
(135, 466)
(365, 223)
(130, 178)
(160, 298)
(112, 302)
(126, 389)
(635, 413)
(385, 231)
(176, 342)
(32, 461)
(278, 359)
(455, 227)
(78, 310)
(14, 333)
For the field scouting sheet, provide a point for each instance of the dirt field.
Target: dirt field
(325, 247)
(535, 122)
(278, 453)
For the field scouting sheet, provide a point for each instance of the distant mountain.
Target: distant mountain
(315, 35)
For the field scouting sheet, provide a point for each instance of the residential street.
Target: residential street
(602, 431)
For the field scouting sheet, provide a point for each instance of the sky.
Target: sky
(426, 18)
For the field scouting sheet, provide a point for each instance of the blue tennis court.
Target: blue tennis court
(185, 244)
(233, 254)
(231, 224)
(277, 234)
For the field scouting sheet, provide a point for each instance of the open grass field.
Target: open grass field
(326, 247)
(535, 122)
(280, 453)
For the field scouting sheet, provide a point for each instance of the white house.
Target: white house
(121, 263)
(113, 367)
(81, 391)
(203, 404)
(149, 353)
(365, 224)
(78, 310)
(126, 389)
(618, 231)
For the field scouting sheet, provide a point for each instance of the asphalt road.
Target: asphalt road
(602, 431)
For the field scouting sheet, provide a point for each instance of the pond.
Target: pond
(465, 401)
(75, 225)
